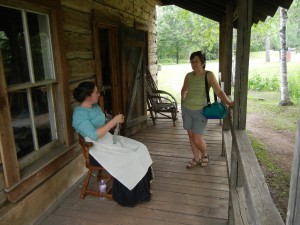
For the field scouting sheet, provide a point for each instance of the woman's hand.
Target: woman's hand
(231, 103)
(119, 118)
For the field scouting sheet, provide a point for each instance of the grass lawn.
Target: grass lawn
(258, 66)
(171, 77)
(266, 104)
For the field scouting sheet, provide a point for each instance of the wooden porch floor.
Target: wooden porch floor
(180, 196)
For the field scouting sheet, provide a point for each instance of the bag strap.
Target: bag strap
(207, 91)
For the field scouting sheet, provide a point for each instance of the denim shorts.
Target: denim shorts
(194, 120)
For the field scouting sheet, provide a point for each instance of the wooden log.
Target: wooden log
(75, 21)
(7, 142)
(79, 67)
(33, 179)
(261, 209)
(77, 42)
(293, 214)
(239, 207)
(242, 62)
(227, 76)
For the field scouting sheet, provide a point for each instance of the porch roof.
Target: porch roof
(216, 9)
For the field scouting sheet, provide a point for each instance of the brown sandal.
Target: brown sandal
(204, 162)
(191, 164)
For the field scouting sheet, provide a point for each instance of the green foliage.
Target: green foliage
(260, 83)
(294, 87)
(293, 25)
(180, 32)
(271, 27)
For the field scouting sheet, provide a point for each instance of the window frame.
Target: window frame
(18, 173)
(27, 87)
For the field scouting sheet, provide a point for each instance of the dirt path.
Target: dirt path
(279, 144)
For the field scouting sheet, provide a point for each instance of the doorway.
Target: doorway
(120, 59)
(107, 68)
(106, 90)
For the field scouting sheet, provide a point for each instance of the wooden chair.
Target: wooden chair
(159, 102)
(101, 173)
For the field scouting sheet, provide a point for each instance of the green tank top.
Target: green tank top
(195, 98)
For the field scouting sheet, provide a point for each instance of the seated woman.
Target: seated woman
(127, 160)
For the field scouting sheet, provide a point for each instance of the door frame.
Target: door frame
(112, 25)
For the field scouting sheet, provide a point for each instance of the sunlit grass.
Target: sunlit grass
(277, 116)
(171, 78)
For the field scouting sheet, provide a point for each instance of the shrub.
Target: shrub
(294, 86)
(260, 83)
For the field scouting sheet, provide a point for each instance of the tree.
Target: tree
(284, 90)
(267, 47)
(293, 25)
(261, 35)
(180, 32)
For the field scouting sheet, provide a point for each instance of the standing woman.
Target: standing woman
(127, 160)
(193, 99)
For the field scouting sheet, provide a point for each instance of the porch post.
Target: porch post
(244, 11)
(293, 214)
(226, 68)
(228, 47)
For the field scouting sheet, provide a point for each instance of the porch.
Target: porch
(180, 196)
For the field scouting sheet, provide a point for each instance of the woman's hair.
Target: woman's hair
(201, 57)
(83, 90)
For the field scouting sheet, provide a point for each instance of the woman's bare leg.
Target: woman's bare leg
(198, 145)
(194, 147)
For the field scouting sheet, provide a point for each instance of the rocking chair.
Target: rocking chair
(85, 146)
(159, 102)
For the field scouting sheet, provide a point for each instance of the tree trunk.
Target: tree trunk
(234, 36)
(268, 47)
(177, 52)
(284, 92)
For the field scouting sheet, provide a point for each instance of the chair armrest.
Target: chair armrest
(162, 102)
(168, 94)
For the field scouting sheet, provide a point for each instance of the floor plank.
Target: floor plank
(180, 196)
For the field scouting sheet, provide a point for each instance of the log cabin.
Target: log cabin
(49, 47)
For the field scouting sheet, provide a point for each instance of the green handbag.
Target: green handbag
(215, 110)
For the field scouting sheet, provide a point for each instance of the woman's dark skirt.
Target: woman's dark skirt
(123, 196)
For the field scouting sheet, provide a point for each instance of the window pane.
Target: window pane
(12, 46)
(40, 46)
(21, 122)
(25, 42)
(41, 115)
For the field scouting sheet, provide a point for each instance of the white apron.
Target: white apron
(128, 160)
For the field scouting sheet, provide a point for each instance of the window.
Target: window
(25, 43)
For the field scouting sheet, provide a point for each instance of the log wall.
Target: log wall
(78, 31)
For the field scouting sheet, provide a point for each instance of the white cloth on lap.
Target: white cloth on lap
(128, 160)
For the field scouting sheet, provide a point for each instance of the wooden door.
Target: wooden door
(134, 56)
(107, 63)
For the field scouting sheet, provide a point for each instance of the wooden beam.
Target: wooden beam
(244, 8)
(222, 47)
(7, 142)
(293, 214)
(228, 47)
(28, 183)
(226, 68)
(61, 69)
